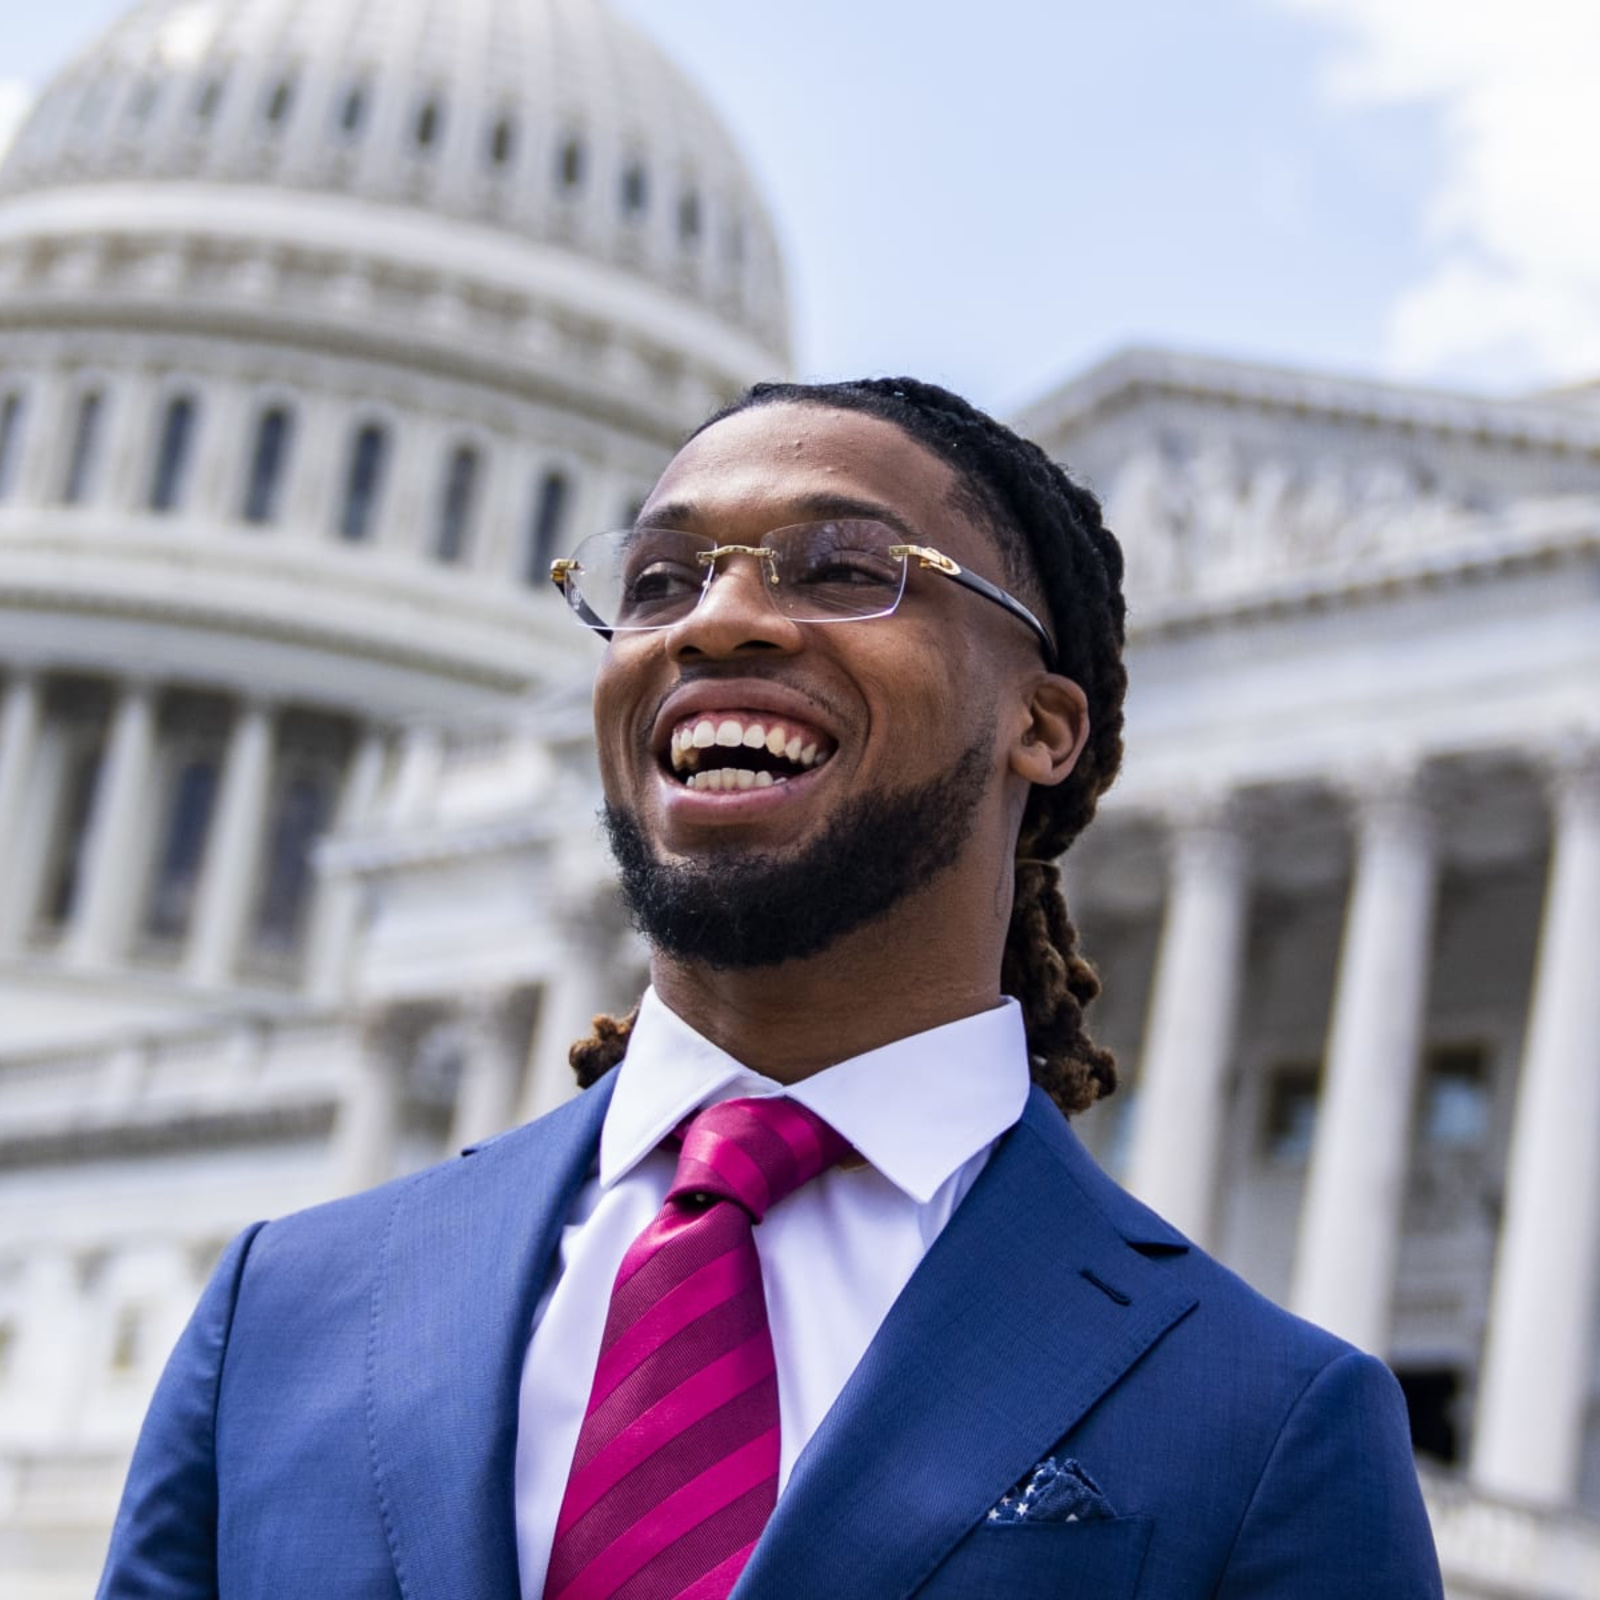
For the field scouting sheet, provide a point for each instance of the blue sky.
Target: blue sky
(996, 195)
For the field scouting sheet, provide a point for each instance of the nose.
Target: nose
(737, 613)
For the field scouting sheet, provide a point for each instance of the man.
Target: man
(863, 687)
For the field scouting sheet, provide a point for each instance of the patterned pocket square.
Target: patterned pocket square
(1054, 1491)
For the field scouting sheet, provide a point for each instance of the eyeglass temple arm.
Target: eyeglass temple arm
(561, 576)
(940, 562)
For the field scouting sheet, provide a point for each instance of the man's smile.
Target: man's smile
(744, 750)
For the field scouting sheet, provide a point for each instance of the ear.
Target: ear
(1055, 733)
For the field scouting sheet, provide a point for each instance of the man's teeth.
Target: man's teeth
(691, 739)
(732, 778)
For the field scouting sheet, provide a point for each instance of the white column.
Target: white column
(114, 860)
(367, 1128)
(337, 911)
(491, 1076)
(1355, 1191)
(233, 850)
(48, 435)
(1177, 1135)
(570, 1000)
(1538, 1362)
(19, 738)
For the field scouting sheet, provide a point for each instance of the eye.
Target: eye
(660, 582)
(843, 555)
(850, 567)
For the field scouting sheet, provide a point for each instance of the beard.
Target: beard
(740, 909)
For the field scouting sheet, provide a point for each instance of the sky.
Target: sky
(997, 194)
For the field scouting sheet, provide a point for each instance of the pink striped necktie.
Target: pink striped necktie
(676, 1470)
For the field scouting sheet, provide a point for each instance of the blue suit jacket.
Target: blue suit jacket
(340, 1417)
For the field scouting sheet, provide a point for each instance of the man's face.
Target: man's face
(894, 718)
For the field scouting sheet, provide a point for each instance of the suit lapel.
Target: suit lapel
(463, 1261)
(1002, 1340)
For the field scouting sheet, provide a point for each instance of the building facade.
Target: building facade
(321, 330)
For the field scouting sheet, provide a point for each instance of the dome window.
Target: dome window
(85, 456)
(274, 431)
(455, 506)
(635, 189)
(11, 415)
(502, 142)
(279, 102)
(425, 131)
(304, 806)
(569, 165)
(208, 100)
(182, 850)
(369, 452)
(146, 97)
(168, 481)
(689, 220)
(547, 528)
(91, 107)
(63, 878)
(353, 110)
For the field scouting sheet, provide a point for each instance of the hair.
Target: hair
(1055, 548)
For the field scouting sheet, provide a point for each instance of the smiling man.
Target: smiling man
(813, 1292)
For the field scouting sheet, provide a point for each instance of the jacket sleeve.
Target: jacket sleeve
(164, 1541)
(1337, 1513)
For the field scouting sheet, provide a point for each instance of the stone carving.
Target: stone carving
(1213, 519)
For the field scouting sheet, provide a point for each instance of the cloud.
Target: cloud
(1512, 294)
(15, 98)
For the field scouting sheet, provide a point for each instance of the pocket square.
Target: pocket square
(1053, 1491)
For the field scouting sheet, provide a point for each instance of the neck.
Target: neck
(908, 971)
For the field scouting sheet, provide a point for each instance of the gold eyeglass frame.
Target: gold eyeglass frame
(927, 558)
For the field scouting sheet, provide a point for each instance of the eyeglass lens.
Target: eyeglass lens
(813, 572)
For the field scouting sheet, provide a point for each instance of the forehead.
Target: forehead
(776, 464)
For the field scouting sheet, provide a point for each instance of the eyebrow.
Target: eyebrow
(820, 506)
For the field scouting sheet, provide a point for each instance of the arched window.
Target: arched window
(546, 527)
(569, 165)
(10, 440)
(182, 849)
(689, 225)
(363, 482)
(143, 102)
(303, 805)
(455, 505)
(208, 100)
(268, 459)
(81, 463)
(168, 481)
(353, 110)
(502, 142)
(278, 102)
(635, 189)
(425, 131)
(78, 786)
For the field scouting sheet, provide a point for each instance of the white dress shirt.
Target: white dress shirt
(923, 1113)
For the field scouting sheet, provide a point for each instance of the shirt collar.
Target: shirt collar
(917, 1109)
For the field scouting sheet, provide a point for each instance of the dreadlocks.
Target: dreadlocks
(1055, 549)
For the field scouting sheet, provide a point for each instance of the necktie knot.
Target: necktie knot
(754, 1152)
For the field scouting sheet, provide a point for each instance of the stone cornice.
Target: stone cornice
(1129, 376)
(181, 1132)
(437, 843)
(481, 634)
(371, 281)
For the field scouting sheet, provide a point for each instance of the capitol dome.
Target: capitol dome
(323, 329)
(554, 121)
